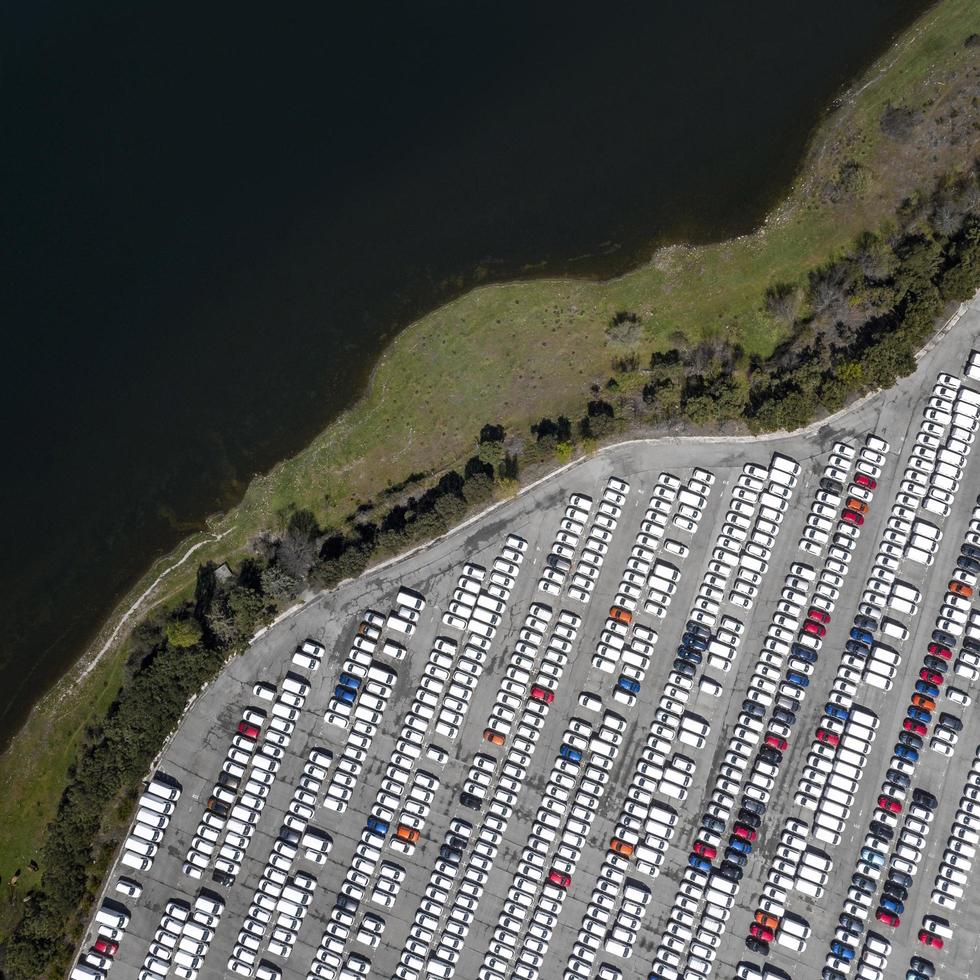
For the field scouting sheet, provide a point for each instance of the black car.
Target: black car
(910, 739)
(715, 824)
(698, 629)
(757, 945)
(468, 799)
(969, 643)
(935, 663)
(863, 883)
(730, 871)
(924, 798)
(755, 806)
(856, 649)
(684, 667)
(753, 708)
(736, 857)
(451, 854)
(968, 564)
(686, 653)
(901, 877)
(898, 778)
(454, 840)
(924, 966)
(829, 973)
(896, 890)
(881, 830)
(970, 550)
(865, 622)
(749, 818)
(951, 722)
(851, 923)
(227, 779)
(784, 716)
(831, 486)
(222, 878)
(770, 755)
(946, 639)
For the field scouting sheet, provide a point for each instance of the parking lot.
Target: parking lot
(673, 698)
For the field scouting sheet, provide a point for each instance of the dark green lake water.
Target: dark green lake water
(215, 214)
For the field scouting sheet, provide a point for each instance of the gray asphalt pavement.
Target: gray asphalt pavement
(194, 755)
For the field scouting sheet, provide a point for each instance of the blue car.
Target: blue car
(349, 680)
(567, 752)
(795, 677)
(892, 905)
(344, 694)
(377, 826)
(742, 846)
(836, 711)
(842, 951)
(862, 636)
(920, 714)
(629, 685)
(875, 858)
(699, 863)
(924, 687)
(904, 752)
(804, 653)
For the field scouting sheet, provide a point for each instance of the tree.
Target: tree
(183, 633)
(701, 410)
(297, 547)
(277, 584)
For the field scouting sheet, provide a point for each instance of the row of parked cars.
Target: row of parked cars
(531, 669)
(245, 780)
(549, 859)
(183, 937)
(155, 807)
(580, 579)
(702, 881)
(448, 908)
(953, 876)
(935, 467)
(905, 844)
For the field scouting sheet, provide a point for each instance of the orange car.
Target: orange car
(494, 738)
(921, 701)
(408, 834)
(859, 505)
(623, 615)
(766, 921)
(961, 588)
(621, 847)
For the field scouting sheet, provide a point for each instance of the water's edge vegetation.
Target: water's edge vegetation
(829, 300)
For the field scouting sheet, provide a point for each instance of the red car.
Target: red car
(930, 676)
(761, 932)
(831, 738)
(820, 615)
(929, 939)
(774, 741)
(889, 918)
(745, 832)
(249, 731)
(887, 803)
(938, 650)
(559, 879)
(863, 480)
(542, 694)
(814, 628)
(916, 727)
(853, 517)
(106, 946)
(705, 850)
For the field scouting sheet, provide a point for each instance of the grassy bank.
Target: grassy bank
(516, 353)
